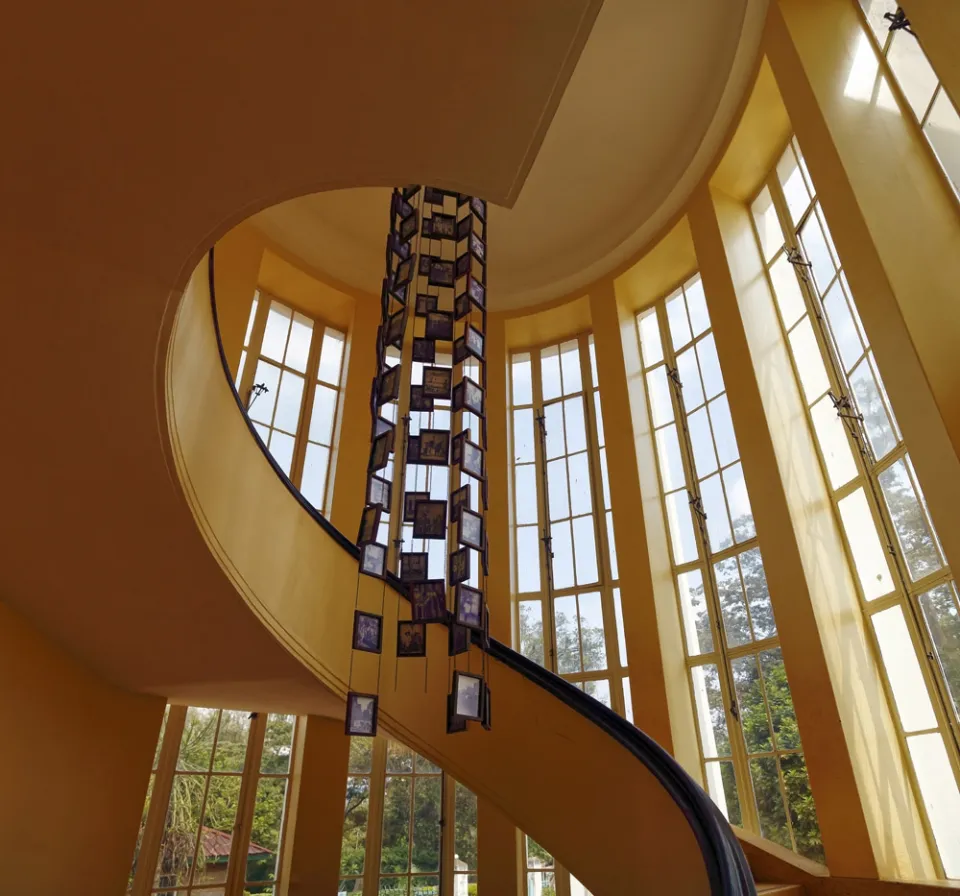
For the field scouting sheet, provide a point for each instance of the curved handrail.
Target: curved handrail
(726, 865)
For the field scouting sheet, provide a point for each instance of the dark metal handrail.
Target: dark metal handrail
(726, 864)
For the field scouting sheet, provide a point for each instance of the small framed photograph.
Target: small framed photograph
(410, 501)
(478, 207)
(443, 227)
(459, 566)
(471, 460)
(425, 304)
(477, 248)
(458, 641)
(413, 449)
(441, 273)
(473, 341)
(373, 560)
(456, 446)
(437, 382)
(468, 396)
(475, 294)
(485, 557)
(411, 638)
(435, 446)
(367, 632)
(459, 350)
(468, 608)
(439, 326)
(409, 191)
(389, 388)
(424, 350)
(463, 265)
(393, 335)
(459, 498)
(468, 695)
(455, 724)
(380, 451)
(464, 227)
(419, 401)
(429, 600)
(470, 529)
(369, 523)
(413, 566)
(433, 195)
(378, 491)
(408, 227)
(486, 717)
(425, 262)
(361, 714)
(380, 426)
(404, 272)
(401, 206)
(461, 306)
(430, 519)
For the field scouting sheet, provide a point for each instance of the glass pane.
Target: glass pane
(604, 479)
(278, 744)
(710, 711)
(251, 318)
(298, 346)
(903, 669)
(817, 253)
(697, 305)
(525, 495)
(562, 555)
(618, 613)
(866, 391)
(913, 532)
(260, 408)
(570, 366)
(143, 824)
(677, 319)
(753, 711)
(219, 818)
(584, 540)
(465, 830)
(942, 614)
(658, 389)
(668, 454)
(612, 544)
(531, 630)
(592, 640)
(575, 427)
(281, 447)
(718, 526)
(913, 71)
(394, 886)
(733, 605)
(179, 840)
(701, 440)
(361, 755)
(598, 414)
(779, 700)
(196, 743)
(938, 788)
(681, 528)
(331, 357)
(321, 418)
(550, 373)
(425, 886)
(240, 366)
(803, 811)
(350, 887)
(313, 483)
(758, 594)
(874, 10)
(568, 643)
(809, 361)
(869, 557)
(537, 856)
(528, 559)
(710, 366)
(553, 423)
(739, 503)
(769, 798)
(399, 758)
(557, 496)
(786, 289)
(427, 805)
(943, 131)
(599, 690)
(521, 376)
(592, 351)
(627, 700)
(842, 325)
(523, 450)
(768, 226)
(693, 607)
(396, 825)
(832, 438)
(231, 741)
(722, 787)
(541, 883)
(650, 346)
(726, 441)
(689, 373)
(275, 334)
(579, 471)
(794, 187)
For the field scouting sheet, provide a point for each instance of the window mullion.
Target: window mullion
(306, 409)
(253, 348)
(378, 782)
(237, 866)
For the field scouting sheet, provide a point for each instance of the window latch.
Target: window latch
(844, 407)
(735, 710)
(898, 21)
(696, 503)
(255, 392)
(674, 376)
(795, 258)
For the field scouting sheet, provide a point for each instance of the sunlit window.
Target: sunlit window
(906, 588)
(749, 739)
(356, 816)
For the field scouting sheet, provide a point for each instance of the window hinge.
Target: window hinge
(255, 392)
(795, 258)
(696, 503)
(898, 21)
(844, 407)
(735, 710)
(674, 376)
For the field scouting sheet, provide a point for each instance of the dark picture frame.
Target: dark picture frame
(471, 460)
(464, 265)
(461, 306)
(435, 447)
(389, 386)
(428, 600)
(362, 711)
(410, 500)
(468, 396)
(439, 326)
(411, 638)
(464, 227)
(380, 451)
(373, 560)
(475, 293)
(404, 273)
(408, 227)
(486, 720)
(459, 350)
(478, 248)
(425, 304)
(455, 724)
(459, 566)
(430, 519)
(433, 195)
(468, 696)
(369, 523)
(470, 529)
(468, 607)
(442, 227)
(367, 632)
(458, 639)
(379, 491)
(419, 401)
(479, 207)
(424, 350)
(441, 273)
(413, 449)
(437, 382)
(414, 566)
(396, 324)
(459, 498)
(473, 341)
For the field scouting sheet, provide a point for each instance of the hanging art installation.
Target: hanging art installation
(428, 444)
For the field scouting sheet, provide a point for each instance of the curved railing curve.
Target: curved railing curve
(726, 865)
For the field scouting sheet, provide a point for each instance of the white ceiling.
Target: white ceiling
(644, 114)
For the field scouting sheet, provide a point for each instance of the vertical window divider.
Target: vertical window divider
(237, 867)
(448, 823)
(306, 410)
(378, 780)
(546, 539)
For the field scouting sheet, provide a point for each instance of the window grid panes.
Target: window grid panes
(905, 585)
(540, 869)
(299, 362)
(356, 815)
(922, 90)
(464, 841)
(751, 753)
(147, 799)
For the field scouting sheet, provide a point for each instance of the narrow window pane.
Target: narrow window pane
(592, 352)
(579, 470)
(196, 743)
(531, 630)
(465, 830)
(942, 614)
(913, 71)
(250, 320)
(671, 462)
(598, 413)
(768, 226)
(220, 814)
(523, 450)
(570, 366)
(943, 131)
(903, 670)
(180, 831)
(845, 332)
(611, 542)
(562, 555)
(568, 641)
(275, 335)
(321, 417)
(940, 796)
(261, 408)
(753, 712)
(809, 361)
(298, 345)
(550, 373)
(537, 856)
(869, 557)
(576, 428)
(758, 594)
(525, 496)
(661, 407)
(701, 440)
(710, 366)
(528, 559)
(394, 886)
(832, 438)
(794, 187)
(723, 435)
(627, 700)
(290, 398)
(681, 528)
(677, 319)
(143, 825)
(769, 799)
(803, 812)
(913, 532)
(733, 605)
(584, 540)
(426, 823)
(711, 715)
(331, 356)
(522, 383)
(650, 346)
(697, 306)
(604, 479)
(779, 699)
(281, 447)
(599, 690)
(693, 608)
(722, 787)
(738, 501)
(592, 639)
(689, 373)
(361, 755)
(817, 253)
(555, 442)
(718, 526)
(621, 639)
(242, 364)
(786, 290)
(557, 489)
(876, 421)
(231, 741)
(541, 883)
(278, 744)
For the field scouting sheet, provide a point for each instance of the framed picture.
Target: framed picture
(455, 724)
(459, 498)
(361, 714)
(398, 246)
(411, 638)
(433, 195)
(439, 326)
(485, 557)
(369, 523)
(413, 449)
(437, 382)
(380, 426)
(463, 265)
(425, 262)
(404, 272)
(485, 716)
(464, 227)
(473, 341)
(486, 628)
(413, 566)
(410, 501)
(389, 388)
(458, 641)
(401, 206)
(429, 600)
(409, 191)
(475, 293)
(430, 519)
(443, 227)
(456, 446)
(380, 451)
(468, 608)
(378, 491)
(459, 350)
(477, 248)
(468, 695)
(461, 306)
(367, 632)
(393, 335)
(424, 350)
(471, 459)
(373, 560)
(468, 396)
(459, 570)
(425, 304)
(441, 273)
(419, 401)
(470, 529)
(408, 227)
(478, 207)
(435, 446)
